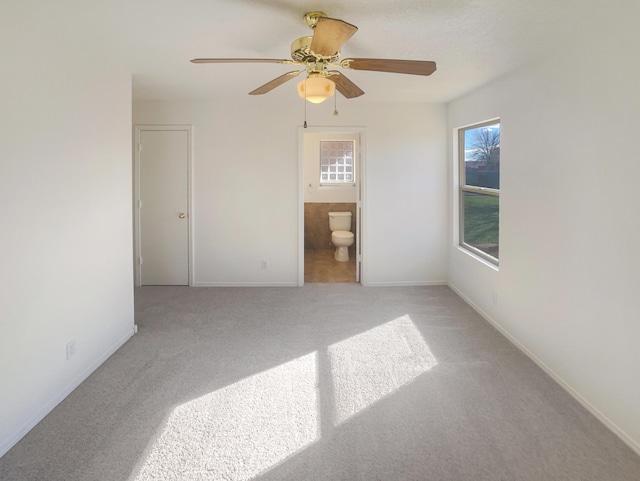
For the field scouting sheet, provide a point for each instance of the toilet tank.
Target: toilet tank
(339, 221)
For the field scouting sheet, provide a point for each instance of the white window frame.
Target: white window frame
(338, 183)
(464, 188)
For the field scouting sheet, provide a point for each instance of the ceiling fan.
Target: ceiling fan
(321, 52)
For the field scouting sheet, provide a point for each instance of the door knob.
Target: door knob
(182, 215)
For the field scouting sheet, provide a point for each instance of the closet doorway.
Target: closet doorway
(331, 171)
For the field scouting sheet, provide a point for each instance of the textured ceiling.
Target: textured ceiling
(472, 41)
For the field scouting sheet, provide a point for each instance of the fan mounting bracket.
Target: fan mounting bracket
(345, 63)
(311, 18)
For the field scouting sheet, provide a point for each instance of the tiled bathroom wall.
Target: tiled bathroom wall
(316, 224)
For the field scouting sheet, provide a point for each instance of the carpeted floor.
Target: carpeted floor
(323, 382)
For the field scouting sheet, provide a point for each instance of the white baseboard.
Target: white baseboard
(11, 441)
(245, 284)
(295, 284)
(406, 284)
(628, 440)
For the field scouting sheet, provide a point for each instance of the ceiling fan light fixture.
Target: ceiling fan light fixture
(316, 53)
(316, 88)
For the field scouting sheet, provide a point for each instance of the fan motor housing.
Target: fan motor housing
(301, 52)
(298, 48)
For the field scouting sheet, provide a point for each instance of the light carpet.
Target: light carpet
(323, 382)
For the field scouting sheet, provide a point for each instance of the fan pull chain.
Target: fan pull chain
(335, 104)
(305, 106)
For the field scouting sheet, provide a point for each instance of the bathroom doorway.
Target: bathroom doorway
(331, 173)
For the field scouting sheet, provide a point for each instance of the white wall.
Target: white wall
(65, 214)
(568, 284)
(246, 191)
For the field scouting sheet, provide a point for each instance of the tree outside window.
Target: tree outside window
(480, 189)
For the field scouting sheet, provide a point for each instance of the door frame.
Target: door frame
(361, 271)
(138, 129)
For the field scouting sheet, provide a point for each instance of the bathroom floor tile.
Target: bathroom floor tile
(320, 266)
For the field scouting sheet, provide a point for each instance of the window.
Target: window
(336, 162)
(479, 153)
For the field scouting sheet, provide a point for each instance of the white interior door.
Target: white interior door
(163, 206)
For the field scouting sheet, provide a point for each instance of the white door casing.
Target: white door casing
(359, 136)
(163, 221)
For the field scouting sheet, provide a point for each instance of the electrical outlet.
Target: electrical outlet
(71, 349)
(264, 264)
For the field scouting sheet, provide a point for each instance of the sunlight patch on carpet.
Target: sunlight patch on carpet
(369, 366)
(242, 430)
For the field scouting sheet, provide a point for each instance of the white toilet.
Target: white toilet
(341, 235)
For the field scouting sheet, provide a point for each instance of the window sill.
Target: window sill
(486, 262)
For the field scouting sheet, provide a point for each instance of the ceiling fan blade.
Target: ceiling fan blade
(345, 86)
(241, 60)
(329, 35)
(276, 82)
(413, 67)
